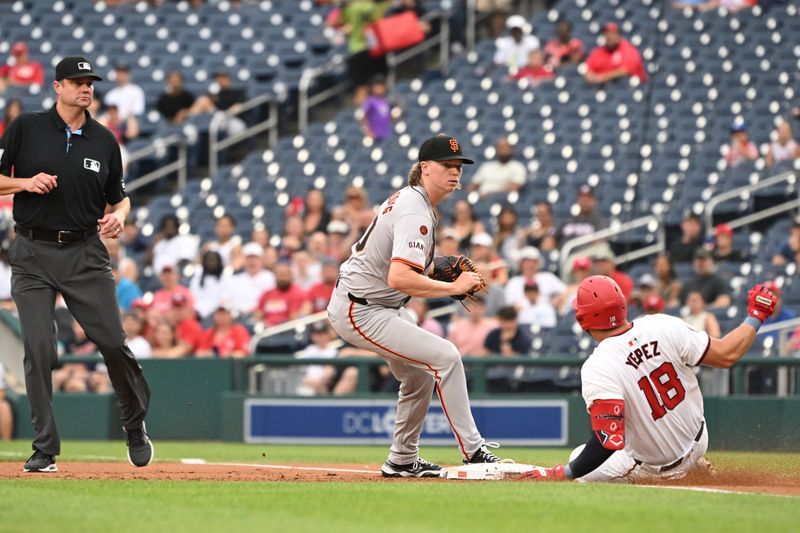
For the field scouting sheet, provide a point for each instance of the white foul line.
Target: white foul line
(282, 467)
(714, 491)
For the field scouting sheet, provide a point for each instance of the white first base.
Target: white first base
(486, 471)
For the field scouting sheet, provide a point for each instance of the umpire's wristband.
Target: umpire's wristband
(754, 322)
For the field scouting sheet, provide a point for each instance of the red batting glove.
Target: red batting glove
(540, 473)
(761, 302)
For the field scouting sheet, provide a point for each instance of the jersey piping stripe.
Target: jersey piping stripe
(412, 264)
(705, 352)
(435, 374)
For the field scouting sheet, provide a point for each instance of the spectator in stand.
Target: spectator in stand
(21, 71)
(175, 102)
(287, 301)
(564, 49)
(508, 339)
(315, 213)
(418, 309)
(550, 287)
(532, 311)
(306, 270)
(361, 66)
(543, 232)
(691, 239)
(320, 293)
(164, 342)
(206, 284)
(535, 69)
(587, 221)
(227, 244)
(715, 291)
(127, 96)
(448, 243)
(127, 288)
(469, 332)
(225, 338)
(243, 290)
(723, 246)
(376, 112)
(170, 286)
(508, 239)
(512, 50)
(783, 146)
(653, 304)
(124, 130)
(6, 414)
(318, 380)
(188, 331)
(133, 326)
(222, 96)
(713, 381)
(339, 242)
(667, 284)
(495, 13)
(132, 239)
(465, 223)
(645, 288)
(482, 252)
(616, 58)
(741, 148)
(581, 269)
(13, 110)
(790, 249)
(357, 212)
(604, 263)
(501, 176)
(169, 247)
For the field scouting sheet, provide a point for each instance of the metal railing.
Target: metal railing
(309, 76)
(219, 120)
(789, 177)
(159, 148)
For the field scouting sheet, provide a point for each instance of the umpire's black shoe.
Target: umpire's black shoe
(40, 462)
(140, 447)
(483, 455)
(419, 468)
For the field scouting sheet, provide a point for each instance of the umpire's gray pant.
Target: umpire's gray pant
(81, 272)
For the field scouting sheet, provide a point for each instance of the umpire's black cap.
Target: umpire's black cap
(442, 148)
(72, 67)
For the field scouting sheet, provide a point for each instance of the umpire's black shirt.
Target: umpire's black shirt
(88, 168)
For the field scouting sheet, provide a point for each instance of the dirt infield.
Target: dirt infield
(730, 480)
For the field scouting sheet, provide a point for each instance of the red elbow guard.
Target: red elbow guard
(608, 423)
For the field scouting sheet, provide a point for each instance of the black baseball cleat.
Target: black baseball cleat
(140, 447)
(483, 455)
(40, 462)
(419, 468)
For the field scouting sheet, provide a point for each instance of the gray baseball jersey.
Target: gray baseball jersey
(402, 230)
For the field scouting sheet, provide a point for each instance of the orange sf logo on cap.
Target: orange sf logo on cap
(454, 145)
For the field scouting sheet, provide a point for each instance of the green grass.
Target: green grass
(50, 504)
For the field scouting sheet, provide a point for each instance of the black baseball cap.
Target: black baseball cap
(442, 148)
(72, 67)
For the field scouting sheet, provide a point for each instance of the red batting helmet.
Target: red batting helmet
(599, 304)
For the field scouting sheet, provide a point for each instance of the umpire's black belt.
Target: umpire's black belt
(51, 235)
(677, 463)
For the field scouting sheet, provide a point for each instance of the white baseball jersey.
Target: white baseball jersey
(649, 367)
(402, 230)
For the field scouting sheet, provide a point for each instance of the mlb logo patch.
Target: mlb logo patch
(91, 164)
(83, 65)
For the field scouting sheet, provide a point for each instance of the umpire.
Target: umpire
(65, 172)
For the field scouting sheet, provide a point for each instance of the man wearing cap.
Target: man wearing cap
(550, 287)
(244, 288)
(21, 71)
(682, 250)
(127, 96)
(65, 172)
(512, 50)
(714, 289)
(741, 148)
(616, 58)
(386, 268)
(500, 176)
(587, 221)
(723, 246)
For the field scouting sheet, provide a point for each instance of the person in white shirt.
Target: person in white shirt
(512, 50)
(549, 285)
(644, 402)
(133, 325)
(318, 379)
(531, 311)
(783, 147)
(206, 284)
(502, 175)
(242, 290)
(127, 96)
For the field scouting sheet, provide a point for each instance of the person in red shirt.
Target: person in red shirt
(617, 58)
(536, 69)
(22, 71)
(170, 286)
(564, 49)
(225, 338)
(188, 330)
(286, 301)
(604, 265)
(320, 293)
